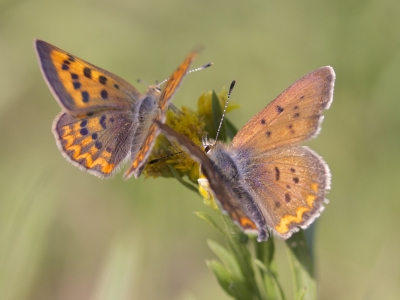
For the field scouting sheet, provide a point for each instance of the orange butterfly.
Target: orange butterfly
(105, 120)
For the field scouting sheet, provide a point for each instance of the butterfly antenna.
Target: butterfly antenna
(191, 71)
(226, 106)
(153, 161)
(200, 68)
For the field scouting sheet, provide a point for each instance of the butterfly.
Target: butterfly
(104, 120)
(263, 180)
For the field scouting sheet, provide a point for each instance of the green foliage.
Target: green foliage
(247, 269)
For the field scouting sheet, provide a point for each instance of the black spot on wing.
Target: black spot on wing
(98, 145)
(104, 94)
(277, 173)
(103, 121)
(102, 79)
(279, 109)
(84, 131)
(85, 97)
(287, 197)
(87, 72)
(290, 127)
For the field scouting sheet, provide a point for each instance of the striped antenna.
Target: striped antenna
(191, 71)
(226, 106)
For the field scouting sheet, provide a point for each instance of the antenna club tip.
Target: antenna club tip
(232, 84)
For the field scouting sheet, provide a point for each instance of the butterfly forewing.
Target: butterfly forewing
(81, 87)
(140, 157)
(294, 116)
(174, 82)
(97, 143)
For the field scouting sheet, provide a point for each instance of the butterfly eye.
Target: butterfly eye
(207, 148)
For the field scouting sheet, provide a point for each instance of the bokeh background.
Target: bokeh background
(65, 234)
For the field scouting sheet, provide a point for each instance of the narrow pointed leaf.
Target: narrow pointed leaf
(230, 129)
(206, 217)
(227, 258)
(302, 267)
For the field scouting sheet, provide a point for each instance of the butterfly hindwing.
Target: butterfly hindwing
(289, 185)
(97, 143)
(81, 87)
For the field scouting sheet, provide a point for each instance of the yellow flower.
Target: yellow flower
(188, 123)
(205, 192)
(168, 160)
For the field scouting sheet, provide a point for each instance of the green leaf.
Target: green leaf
(237, 242)
(272, 288)
(230, 129)
(206, 217)
(302, 267)
(267, 265)
(232, 285)
(227, 259)
(223, 276)
(265, 251)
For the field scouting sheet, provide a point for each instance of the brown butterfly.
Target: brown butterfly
(263, 179)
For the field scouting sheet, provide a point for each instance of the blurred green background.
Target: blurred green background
(65, 234)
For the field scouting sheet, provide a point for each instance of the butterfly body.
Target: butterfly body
(105, 120)
(234, 169)
(263, 180)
